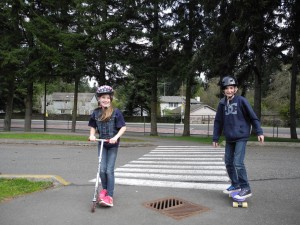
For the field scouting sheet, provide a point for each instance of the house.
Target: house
(199, 113)
(62, 103)
(168, 103)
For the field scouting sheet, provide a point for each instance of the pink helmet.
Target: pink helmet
(105, 89)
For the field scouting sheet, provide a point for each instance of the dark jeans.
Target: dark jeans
(107, 175)
(234, 161)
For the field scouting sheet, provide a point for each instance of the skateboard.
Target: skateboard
(238, 202)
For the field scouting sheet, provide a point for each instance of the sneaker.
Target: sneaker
(231, 189)
(244, 193)
(102, 195)
(107, 201)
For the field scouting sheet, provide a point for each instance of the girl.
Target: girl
(111, 126)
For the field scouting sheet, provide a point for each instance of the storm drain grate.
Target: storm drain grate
(175, 208)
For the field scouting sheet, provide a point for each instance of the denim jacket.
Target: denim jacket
(106, 129)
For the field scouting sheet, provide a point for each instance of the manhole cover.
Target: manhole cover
(175, 207)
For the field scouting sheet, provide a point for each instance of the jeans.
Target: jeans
(107, 175)
(234, 161)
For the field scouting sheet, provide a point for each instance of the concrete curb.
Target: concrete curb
(57, 180)
(73, 143)
(270, 144)
(131, 144)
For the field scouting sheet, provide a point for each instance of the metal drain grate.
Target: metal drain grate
(175, 208)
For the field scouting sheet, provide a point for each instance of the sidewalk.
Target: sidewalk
(75, 163)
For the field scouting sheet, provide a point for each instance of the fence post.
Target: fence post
(144, 125)
(174, 125)
(208, 123)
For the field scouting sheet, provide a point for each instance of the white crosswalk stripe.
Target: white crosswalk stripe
(192, 167)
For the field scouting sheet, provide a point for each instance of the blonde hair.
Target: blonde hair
(106, 113)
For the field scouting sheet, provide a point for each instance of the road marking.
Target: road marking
(178, 158)
(175, 167)
(191, 178)
(171, 184)
(194, 167)
(173, 163)
(222, 172)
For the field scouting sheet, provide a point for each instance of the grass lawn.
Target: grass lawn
(209, 139)
(76, 137)
(11, 188)
(60, 137)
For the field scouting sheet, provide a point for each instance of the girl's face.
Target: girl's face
(230, 91)
(104, 100)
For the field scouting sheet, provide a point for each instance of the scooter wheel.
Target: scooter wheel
(93, 207)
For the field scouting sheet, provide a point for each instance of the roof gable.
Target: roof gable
(68, 96)
(176, 99)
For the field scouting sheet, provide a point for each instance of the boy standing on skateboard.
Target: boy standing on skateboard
(234, 117)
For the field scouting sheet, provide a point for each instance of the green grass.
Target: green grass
(208, 140)
(60, 137)
(76, 137)
(11, 188)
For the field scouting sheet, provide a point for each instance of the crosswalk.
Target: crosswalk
(192, 167)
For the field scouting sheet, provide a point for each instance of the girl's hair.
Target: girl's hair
(106, 113)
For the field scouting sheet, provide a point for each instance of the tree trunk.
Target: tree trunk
(74, 111)
(258, 70)
(293, 113)
(9, 106)
(187, 108)
(28, 107)
(155, 65)
(154, 106)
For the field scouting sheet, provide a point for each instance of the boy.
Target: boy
(234, 117)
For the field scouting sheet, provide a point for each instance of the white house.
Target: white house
(199, 113)
(173, 102)
(62, 103)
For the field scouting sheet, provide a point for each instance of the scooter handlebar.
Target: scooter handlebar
(104, 140)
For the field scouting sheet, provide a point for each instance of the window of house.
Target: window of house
(173, 104)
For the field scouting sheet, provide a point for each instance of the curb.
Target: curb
(269, 144)
(73, 143)
(57, 180)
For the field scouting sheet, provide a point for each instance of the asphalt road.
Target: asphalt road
(274, 175)
(136, 128)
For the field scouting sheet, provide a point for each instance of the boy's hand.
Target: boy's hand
(261, 138)
(215, 144)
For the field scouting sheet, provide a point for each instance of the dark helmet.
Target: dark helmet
(105, 89)
(228, 81)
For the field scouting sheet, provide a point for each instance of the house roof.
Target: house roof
(176, 99)
(67, 96)
(193, 108)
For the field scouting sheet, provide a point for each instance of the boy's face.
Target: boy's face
(104, 100)
(230, 91)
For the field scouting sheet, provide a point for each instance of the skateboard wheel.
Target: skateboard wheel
(245, 204)
(235, 205)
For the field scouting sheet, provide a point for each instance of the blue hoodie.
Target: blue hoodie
(235, 120)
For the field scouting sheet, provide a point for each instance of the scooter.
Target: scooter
(96, 192)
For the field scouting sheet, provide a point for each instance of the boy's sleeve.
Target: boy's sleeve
(253, 118)
(218, 124)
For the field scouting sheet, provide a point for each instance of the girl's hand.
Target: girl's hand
(113, 140)
(92, 138)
